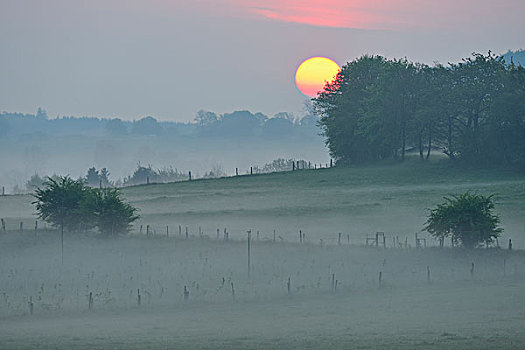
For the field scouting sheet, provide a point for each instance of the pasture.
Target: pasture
(311, 292)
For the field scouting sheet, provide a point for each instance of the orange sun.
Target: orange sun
(312, 75)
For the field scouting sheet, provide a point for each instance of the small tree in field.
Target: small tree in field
(108, 211)
(467, 217)
(57, 202)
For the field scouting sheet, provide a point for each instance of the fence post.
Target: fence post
(249, 240)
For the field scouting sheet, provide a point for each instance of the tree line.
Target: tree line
(472, 111)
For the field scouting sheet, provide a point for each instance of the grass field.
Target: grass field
(306, 296)
(354, 201)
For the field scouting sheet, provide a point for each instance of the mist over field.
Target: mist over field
(233, 174)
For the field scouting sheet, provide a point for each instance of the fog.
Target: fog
(295, 294)
(314, 279)
(164, 184)
(37, 144)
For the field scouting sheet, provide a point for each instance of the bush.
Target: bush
(467, 217)
(108, 211)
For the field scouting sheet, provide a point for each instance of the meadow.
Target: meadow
(313, 292)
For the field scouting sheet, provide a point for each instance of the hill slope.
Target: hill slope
(321, 203)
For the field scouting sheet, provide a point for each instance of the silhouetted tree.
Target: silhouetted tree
(106, 209)
(93, 177)
(147, 126)
(58, 200)
(467, 217)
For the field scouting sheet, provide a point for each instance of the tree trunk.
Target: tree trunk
(62, 240)
(420, 144)
(403, 144)
(449, 139)
(429, 142)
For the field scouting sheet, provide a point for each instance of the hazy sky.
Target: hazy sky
(170, 58)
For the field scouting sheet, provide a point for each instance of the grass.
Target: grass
(356, 201)
(456, 309)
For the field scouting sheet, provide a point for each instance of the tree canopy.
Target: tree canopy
(71, 205)
(473, 111)
(58, 202)
(468, 218)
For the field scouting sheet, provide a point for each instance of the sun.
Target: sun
(312, 75)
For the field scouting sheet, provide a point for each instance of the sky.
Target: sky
(171, 58)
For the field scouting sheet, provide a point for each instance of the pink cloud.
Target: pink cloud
(380, 14)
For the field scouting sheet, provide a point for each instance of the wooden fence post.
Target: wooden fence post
(249, 241)
(31, 305)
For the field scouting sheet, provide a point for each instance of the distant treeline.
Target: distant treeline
(238, 123)
(473, 111)
(147, 174)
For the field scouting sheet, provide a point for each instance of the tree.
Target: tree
(92, 177)
(468, 218)
(349, 125)
(104, 177)
(116, 127)
(476, 83)
(205, 118)
(147, 126)
(34, 182)
(108, 211)
(57, 202)
(142, 175)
